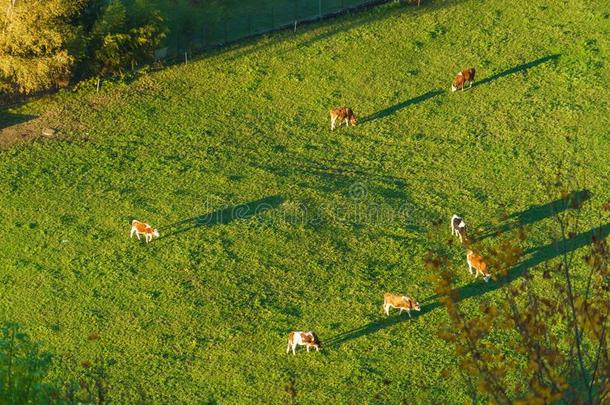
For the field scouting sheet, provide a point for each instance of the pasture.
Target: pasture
(269, 222)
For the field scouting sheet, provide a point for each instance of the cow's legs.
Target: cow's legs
(332, 123)
(307, 348)
(386, 309)
(138, 235)
(470, 268)
(400, 311)
(293, 346)
(409, 313)
(288, 348)
(132, 232)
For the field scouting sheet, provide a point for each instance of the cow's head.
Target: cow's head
(487, 277)
(315, 341)
(459, 79)
(353, 120)
(155, 233)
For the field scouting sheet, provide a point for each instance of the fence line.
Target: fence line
(215, 26)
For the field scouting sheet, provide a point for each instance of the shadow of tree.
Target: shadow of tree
(224, 215)
(536, 213)
(540, 255)
(399, 106)
(8, 119)
(517, 69)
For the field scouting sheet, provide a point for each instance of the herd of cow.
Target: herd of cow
(476, 264)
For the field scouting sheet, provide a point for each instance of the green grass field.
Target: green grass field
(272, 223)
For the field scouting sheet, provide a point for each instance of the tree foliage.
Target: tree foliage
(122, 38)
(558, 335)
(24, 373)
(43, 44)
(23, 367)
(35, 39)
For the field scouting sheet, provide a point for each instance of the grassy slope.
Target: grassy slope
(203, 314)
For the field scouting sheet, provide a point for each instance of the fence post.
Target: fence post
(225, 25)
(296, 13)
(272, 17)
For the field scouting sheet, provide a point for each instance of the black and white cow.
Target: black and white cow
(458, 227)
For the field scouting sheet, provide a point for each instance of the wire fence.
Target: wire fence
(196, 25)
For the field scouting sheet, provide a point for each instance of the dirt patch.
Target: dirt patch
(18, 128)
(23, 131)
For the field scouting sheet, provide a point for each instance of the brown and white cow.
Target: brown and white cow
(402, 302)
(298, 338)
(343, 114)
(458, 227)
(466, 75)
(138, 228)
(477, 263)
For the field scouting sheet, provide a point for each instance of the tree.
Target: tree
(43, 43)
(35, 40)
(553, 306)
(122, 38)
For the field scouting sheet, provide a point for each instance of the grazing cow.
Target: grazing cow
(477, 263)
(458, 227)
(466, 75)
(308, 339)
(138, 228)
(343, 114)
(402, 302)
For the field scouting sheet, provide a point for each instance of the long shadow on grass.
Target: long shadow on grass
(399, 106)
(516, 69)
(222, 216)
(536, 213)
(540, 255)
(339, 175)
(9, 119)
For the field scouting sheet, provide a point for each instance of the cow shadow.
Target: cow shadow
(222, 216)
(399, 106)
(573, 200)
(517, 69)
(8, 119)
(478, 288)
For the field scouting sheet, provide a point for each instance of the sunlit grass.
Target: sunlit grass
(202, 313)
